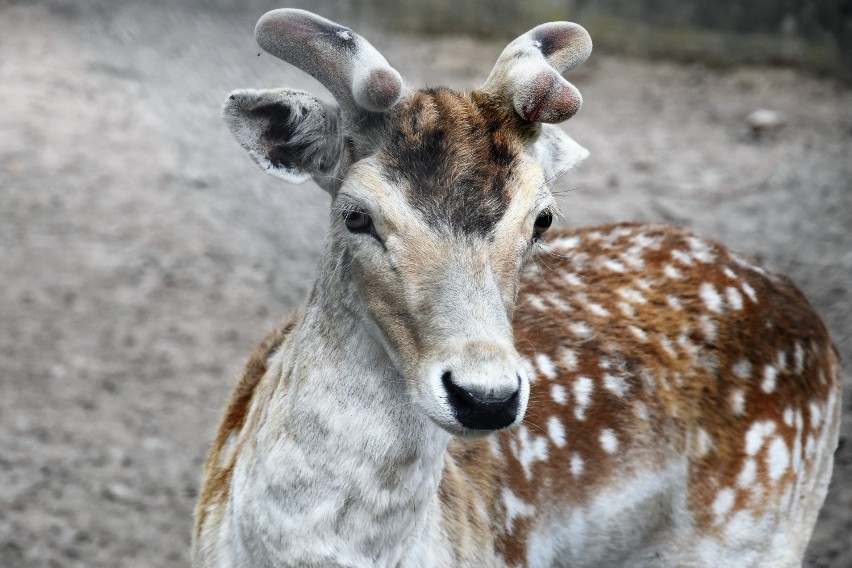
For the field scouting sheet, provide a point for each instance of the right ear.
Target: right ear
(288, 133)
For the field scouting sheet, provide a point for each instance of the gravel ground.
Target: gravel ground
(142, 254)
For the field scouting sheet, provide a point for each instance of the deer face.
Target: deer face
(438, 199)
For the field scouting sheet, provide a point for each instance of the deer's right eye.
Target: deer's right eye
(358, 221)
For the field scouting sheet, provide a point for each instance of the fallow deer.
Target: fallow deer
(637, 396)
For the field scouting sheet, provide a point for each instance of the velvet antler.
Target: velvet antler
(528, 73)
(355, 73)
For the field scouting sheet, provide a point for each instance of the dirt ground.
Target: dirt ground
(142, 254)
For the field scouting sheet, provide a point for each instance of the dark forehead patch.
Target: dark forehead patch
(454, 154)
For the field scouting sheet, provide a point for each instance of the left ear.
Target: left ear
(557, 152)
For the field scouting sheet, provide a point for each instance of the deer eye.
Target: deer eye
(542, 223)
(358, 221)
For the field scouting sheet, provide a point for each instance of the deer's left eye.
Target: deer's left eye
(542, 223)
(358, 221)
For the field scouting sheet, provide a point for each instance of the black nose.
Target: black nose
(478, 411)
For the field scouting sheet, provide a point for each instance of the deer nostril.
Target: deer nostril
(479, 411)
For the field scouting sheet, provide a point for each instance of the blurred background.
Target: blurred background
(142, 254)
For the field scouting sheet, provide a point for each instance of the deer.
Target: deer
(466, 387)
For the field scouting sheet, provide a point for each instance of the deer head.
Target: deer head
(439, 198)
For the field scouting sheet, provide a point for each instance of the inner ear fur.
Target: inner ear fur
(288, 133)
(557, 152)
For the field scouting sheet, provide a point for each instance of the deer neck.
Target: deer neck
(345, 463)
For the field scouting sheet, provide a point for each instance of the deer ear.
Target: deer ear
(557, 152)
(288, 133)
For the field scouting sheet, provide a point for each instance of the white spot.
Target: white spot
(778, 458)
(627, 309)
(615, 384)
(711, 297)
(545, 365)
(581, 329)
(604, 363)
(568, 359)
(799, 357)
(709, 327)
(609, 442)
(738, 402)
(730, 273)
(576, 465)
(530, 449)
(558, 302)
(735, 299)
(631, 295)
(573, 279)
(536, 303)
(559, 394)
(674, 302)
(565, 242)
(633, 258)
(682, 257)
(667, 345)
(703, 444)
(615, 266)
(515, 507)
(598, 310)
(788, 416)
(756, 434)
(816, 414)
(748, 475)
(556, 431)
(742, 369)
(749, 292)
(672, 272)
(582, 387)
(701, 250)
(782, 360)
(770, 374)
(723, 503)
(639, 333)
(641, 411)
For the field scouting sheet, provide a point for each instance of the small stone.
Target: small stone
(764, 121)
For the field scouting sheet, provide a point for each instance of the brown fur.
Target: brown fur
(216, 480)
